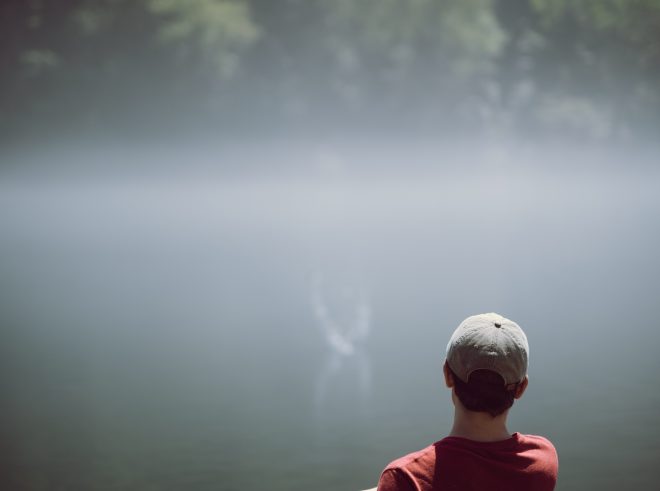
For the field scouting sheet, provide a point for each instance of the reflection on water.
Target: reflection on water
(342, 336)
(164, 333)
(345, 324)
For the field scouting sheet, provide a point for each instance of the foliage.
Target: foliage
(214, 31)
(588, 67)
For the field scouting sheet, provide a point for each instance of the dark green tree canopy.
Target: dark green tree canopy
(584, 67)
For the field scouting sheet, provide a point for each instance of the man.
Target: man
(486, 368)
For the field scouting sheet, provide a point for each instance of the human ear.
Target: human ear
(522, 386)
(449, 377)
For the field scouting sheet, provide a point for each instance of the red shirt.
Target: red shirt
(523, 462)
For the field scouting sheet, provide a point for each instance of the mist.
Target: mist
(237, 235)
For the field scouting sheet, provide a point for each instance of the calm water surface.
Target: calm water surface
(209, 332)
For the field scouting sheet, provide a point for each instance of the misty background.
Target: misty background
(236, 235)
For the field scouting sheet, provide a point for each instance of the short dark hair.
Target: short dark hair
(484, 392)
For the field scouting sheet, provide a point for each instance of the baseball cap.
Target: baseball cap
(489, 342)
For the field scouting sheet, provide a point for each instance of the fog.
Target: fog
(178, 326)
(236, 235)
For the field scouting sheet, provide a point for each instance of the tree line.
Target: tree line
(589, 68)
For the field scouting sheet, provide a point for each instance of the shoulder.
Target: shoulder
(393, 479)
(536, 441)
(412, 459)
(542, 452)
(409, 471)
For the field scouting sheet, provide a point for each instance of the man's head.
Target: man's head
(487, 363)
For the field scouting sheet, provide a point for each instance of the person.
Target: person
(486, 370)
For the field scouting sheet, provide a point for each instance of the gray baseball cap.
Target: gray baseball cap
(490, 342)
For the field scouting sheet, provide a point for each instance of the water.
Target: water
(201, 331)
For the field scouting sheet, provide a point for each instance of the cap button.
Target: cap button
(497, 324)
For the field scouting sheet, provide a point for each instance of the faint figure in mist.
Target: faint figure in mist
(343, 314)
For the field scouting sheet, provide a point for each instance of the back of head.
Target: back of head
(484, 392)
(488, 356)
